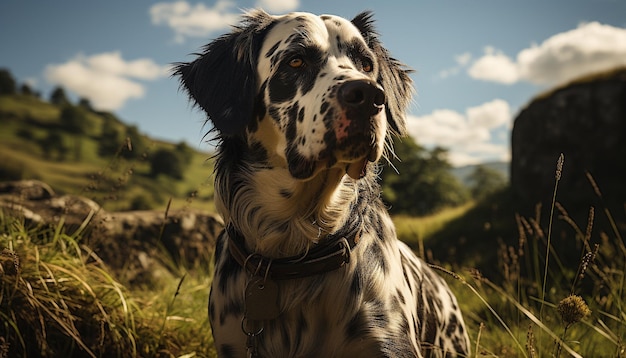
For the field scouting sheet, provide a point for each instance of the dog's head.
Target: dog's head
(308, 92)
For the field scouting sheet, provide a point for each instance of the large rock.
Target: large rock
(143, 243)
(586, 121)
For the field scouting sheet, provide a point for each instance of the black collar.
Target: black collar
(331, 254)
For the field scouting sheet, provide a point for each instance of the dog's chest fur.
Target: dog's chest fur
(366, 308)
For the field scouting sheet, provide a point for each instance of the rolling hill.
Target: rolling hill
(97, 156)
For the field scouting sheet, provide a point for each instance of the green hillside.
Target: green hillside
(78, 150)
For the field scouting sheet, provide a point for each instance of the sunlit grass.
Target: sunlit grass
(115, 183)
(412, 230)
(545, 306)
(29, 107)
(57, 298)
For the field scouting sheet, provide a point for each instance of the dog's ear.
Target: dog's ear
(393, 75)
(222, 80)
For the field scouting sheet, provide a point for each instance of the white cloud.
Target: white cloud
(494, 66)
(591, 47)
(490, 115)
(278, 6)
(105, 79)
(461, 61)
(113, 63)
(468, 136)
(194, 20)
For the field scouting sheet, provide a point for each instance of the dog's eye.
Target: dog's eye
(367, 65)
(296, 62)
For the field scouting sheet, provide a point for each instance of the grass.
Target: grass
(542, 303)
(414, 230)
(113, 183)
(57, 298)
(29, 107)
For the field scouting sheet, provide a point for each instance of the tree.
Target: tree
(26, 90)
(484, 181)
(58, 97)
(73, 120)
(423, 183)
(137, 146)
(110, 137)
(85, 104)
(166, 162)
(7, 82)
(186, 153)
(53, 142)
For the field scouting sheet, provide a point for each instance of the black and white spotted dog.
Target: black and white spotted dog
(309, 264)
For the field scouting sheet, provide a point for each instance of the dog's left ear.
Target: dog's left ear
(393, 75)
(222, 80)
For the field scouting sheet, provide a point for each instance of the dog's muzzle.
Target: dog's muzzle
(361, 100)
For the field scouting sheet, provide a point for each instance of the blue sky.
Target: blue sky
(477, 63)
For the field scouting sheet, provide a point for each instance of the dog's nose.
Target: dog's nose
(365, 96)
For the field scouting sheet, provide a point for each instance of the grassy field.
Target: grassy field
(58, 297)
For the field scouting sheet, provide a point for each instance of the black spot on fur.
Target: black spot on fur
(292, 115)
(301, 115)
(324, 107)
(453, 323)
(282, 88)
(272, 49)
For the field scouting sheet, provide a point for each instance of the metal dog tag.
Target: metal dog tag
(261, 300)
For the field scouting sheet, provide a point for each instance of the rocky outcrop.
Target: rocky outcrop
(586, 121)
(136, 241)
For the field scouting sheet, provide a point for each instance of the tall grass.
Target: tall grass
(58, 299)
(545, 306)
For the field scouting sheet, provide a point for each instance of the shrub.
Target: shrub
(168, 163)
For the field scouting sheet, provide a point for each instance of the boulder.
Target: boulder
(142, 243)
(586, 121)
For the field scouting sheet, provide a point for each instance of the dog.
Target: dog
(309, 265)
